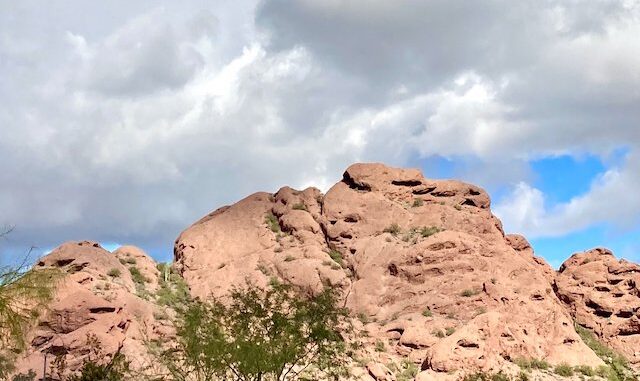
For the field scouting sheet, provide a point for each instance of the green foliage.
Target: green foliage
(97, 366)
(173, 291)
(117, 369)
(24, 295)
(468, 293)
(585, 370)
(539, 364)
(300, 206)
(272, 222)
(364, 319)
(482, 376)
(563, 370)
(257, 334)
(427, 312)
(418, 202)
(128, 261)
(393, 229)
(114, 273)
(380, 347)
(29, 376)
(337, 257)
(617, 368)
(407, 371)
(137, 276)
(449, 331)
(429, 231)
(438, 333)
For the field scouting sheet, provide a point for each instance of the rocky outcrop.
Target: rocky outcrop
(99, 298)
(603, 294)
(423, 264)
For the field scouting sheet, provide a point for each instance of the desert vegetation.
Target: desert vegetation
(257, 335)
(24, 295)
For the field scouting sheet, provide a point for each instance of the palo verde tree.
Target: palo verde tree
(255, 335)
(24, 294)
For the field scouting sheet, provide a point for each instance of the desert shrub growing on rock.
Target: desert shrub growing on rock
(617, 368)
(257, 334)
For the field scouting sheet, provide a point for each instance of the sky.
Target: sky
(124, 122)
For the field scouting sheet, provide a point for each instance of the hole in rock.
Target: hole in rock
(624, 314)
(64, 262)
(406, 183)
(102, 310)
(464, 343)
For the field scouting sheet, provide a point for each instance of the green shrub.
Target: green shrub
(563, 370)
(337, 257)
(137, 276)
(617, 368)
(539, 364)
(438, 333)
(393, 229)
(585, 370)
(407, 371)
(418, 202)
(300, 206)
(380, 347)
(173, 291)
(128, 261)
(449, 331)
(364, 319)
(114, 273)
(427, 312)
(429, 231)
(468, 293)
(272, 222)
(257, 334)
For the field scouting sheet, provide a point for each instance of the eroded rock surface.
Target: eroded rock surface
(423, 264)
(603, 294)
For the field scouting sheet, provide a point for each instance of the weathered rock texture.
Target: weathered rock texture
(423, 263)
(97, 297)
(603, 294)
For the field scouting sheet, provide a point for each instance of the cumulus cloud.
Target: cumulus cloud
(127, 128)
(611, 200)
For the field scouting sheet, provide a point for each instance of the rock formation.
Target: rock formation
(101, 299)
(424, 266)
(603, 294)
(423, 263)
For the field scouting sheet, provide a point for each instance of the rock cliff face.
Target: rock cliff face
(603, 294)
(423, 263)
(424, 266)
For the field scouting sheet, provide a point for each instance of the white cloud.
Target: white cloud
(127, 128)
(611, 199)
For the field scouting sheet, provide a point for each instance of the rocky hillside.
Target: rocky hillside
(435, 287)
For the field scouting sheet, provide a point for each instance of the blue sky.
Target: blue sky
(125, 123)
(561, 179)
